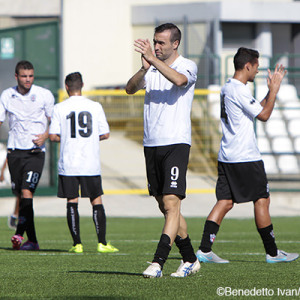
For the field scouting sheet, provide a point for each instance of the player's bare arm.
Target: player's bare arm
(274, 80)
(2, 170)
(137, 82)
(40, 139)
(104, 136)
(54, 138)
(144, 47)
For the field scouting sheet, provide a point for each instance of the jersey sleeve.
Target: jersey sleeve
(2, 107)
(55, 127)
(248, 103)
(103, 126)
(189, 69)
(49, 103)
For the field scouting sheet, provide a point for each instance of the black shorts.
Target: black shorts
(242, 182)
(90, 186)
(25, 168)
(166, 169)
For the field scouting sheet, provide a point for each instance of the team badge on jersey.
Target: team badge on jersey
(33, 98)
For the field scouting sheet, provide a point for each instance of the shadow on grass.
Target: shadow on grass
(231, 261)
(41, 250)
(107, 272)
(77, 298)
(246, 261)
(54, 250)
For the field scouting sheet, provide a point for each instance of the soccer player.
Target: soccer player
(29, 108)
(78, 124)
(169, 80)
(241, 173)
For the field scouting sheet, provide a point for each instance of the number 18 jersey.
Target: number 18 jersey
(79, 122)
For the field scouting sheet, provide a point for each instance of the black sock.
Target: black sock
(99, 218)
(30, 230)
(73, 222)
(162, 251)
(25, 213)
(186, 249)
(210, 231)
(268, 238)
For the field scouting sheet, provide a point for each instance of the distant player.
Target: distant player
(169, 80)
(241, 173)
(78, 124)
(28, 108)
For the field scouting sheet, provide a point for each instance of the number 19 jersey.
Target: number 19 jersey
(79, 122)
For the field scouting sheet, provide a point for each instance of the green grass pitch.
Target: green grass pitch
(53, 273)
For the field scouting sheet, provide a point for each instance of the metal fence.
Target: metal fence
(125, 113)
(278, 139)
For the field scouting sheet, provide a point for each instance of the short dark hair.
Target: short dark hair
(74, 81)
(175, 31)
(243, 56)
(23, 64)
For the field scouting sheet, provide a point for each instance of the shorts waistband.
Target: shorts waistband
(33, 150)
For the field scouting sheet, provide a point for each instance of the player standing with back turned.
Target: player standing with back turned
(170, 80)
(78, 124)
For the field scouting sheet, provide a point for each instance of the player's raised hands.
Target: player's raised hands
(144, 47)
(274, 80)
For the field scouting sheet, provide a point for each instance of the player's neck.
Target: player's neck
(22, 91)
(76, 93)
(169, 61)
(240, 77)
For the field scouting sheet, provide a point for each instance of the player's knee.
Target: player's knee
(24, 202)
(161, 208)
(229, 206)
(225, 205)
(262, 203)
(171, 205)
(26, 194)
